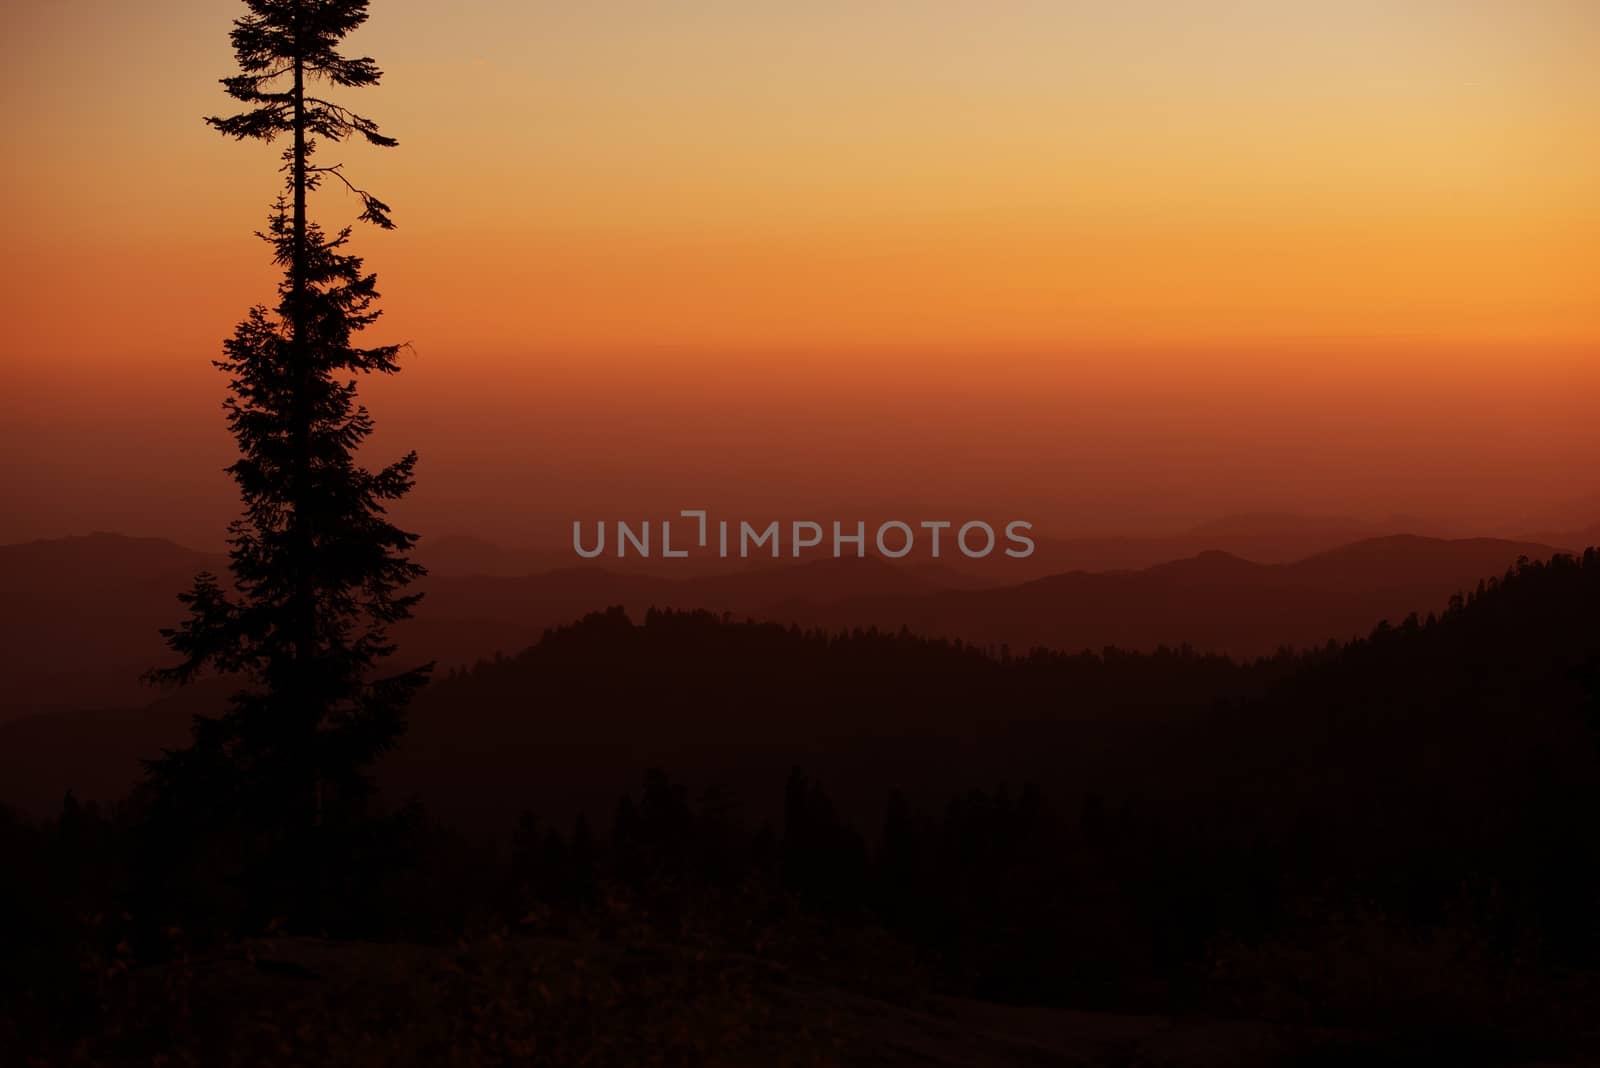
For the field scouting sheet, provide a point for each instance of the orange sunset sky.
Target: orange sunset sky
(1108, 266)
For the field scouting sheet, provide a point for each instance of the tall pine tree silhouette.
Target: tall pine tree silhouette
(319, 572)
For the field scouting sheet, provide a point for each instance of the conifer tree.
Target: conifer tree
(318, 570)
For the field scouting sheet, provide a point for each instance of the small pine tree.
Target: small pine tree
(318, 570)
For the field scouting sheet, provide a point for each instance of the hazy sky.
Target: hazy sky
(1117, 266)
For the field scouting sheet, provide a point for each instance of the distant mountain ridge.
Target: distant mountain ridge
(86, 610)
(82, 616)
(1214, 600)
(1265, 537)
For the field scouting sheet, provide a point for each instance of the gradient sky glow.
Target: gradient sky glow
(1117, 265)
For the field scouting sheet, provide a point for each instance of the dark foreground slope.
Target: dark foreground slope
(1394, 831)
(554, 1002)
(1381, 852)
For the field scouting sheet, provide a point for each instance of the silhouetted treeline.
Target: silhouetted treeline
(569, 723)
